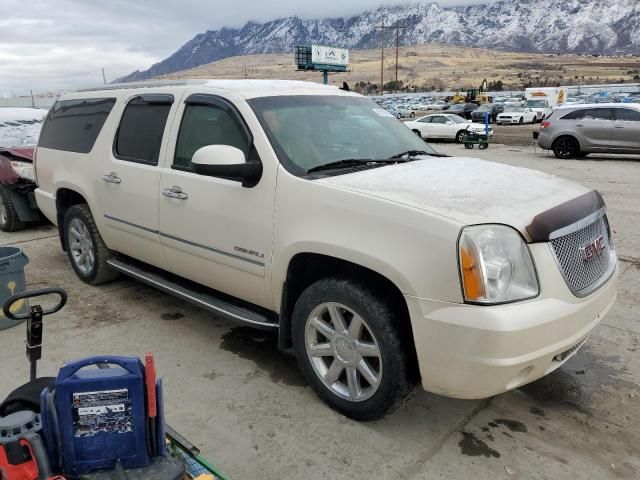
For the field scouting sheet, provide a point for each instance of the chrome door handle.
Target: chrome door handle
(579, 125)
(111, 177)
(619, 126)
(175, 192)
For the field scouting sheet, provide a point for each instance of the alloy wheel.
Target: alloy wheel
(343, 351)
(81, 246)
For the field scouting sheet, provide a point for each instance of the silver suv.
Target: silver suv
(576, 131)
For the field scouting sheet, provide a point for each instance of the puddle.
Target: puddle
(472, 446)
(538, 412)
(261, 347)
(170, 316)
(512, 425)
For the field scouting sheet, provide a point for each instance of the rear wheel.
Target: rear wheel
(9, 219)
(348, 346)
(566, 147)
(86, 250)
(413, 114)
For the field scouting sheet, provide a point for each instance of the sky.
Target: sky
(62, 44)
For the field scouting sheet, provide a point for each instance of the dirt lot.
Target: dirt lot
(231, 392)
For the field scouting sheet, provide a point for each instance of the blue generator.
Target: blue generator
(100, 415)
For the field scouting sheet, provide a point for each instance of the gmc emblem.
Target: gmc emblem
(593, 249)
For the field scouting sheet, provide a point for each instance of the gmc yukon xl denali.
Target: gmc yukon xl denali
(311, 211)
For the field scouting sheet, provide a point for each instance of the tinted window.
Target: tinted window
(204, 125)
(141, 129)
(439, 120)
(74, 125)
(627, 115)
(425, 120)
(589, 114)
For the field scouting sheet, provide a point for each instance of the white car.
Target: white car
(443, 126)
(540, 107)
(516, 115)
(406, 111)
(437, 105)
(312, 212)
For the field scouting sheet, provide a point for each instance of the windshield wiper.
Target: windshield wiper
(347, 162)
(416, 153)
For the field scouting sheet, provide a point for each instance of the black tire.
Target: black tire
(399, 116)
(100, 272)
(521, 121)
(460, 136)
(565, 148)
(468, 146)
(413, 114)
(382, 321)
(9, 219)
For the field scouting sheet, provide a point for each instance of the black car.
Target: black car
(462, 109)
(490, 108)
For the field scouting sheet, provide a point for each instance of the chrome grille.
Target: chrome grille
(580, 274)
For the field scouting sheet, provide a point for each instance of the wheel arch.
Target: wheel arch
(306, 268)
(560, 135)
(65, 199)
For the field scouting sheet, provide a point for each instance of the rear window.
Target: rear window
(141, 129)
(74, 125)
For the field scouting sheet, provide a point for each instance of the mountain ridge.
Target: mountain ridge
(541, 26)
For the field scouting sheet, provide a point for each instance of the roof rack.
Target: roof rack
(146, 84)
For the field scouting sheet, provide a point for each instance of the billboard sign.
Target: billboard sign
(323, 55)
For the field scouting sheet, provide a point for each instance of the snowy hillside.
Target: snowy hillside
(582, 26)
(20, 126)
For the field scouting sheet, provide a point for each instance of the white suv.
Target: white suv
(312, 211)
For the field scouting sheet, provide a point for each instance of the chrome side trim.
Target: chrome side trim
(574, 227)
(192, 297)
(185, 241)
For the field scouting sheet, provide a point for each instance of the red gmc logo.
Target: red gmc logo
(593, 249)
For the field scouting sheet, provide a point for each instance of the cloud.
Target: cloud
(61, 44)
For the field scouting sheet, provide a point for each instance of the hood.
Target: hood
(20, 153)
(467, 190)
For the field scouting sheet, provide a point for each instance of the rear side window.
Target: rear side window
(74, 125)
(627, 115)
(426, 120)
(141, 129)
(589, 114)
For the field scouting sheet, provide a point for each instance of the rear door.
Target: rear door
(594, 126)
(626, 129)
(128, 186)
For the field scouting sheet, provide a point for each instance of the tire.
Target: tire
(9, 219)
(399, 116)
(413, 114)
(460, 136)
(468, 146)
(81, 236)
(386, 360)
(565, 148)
(521, 121)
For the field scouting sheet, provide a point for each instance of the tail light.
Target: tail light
(545, 124)
(35, 170)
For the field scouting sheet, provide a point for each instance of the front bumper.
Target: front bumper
(470, 351)
(508, 120)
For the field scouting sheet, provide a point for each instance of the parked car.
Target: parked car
(518, 115)
(437, 105)
(394, 111)
(309, 211)
(406, 111)
(445, 126)
(462, 109)
(19, 130)
(492, 109)
(576, 131)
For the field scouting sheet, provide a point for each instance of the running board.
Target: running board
(201, 297)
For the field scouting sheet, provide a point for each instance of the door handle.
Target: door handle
(619, 126)
(111, 177)
(175, 192)
(579, 125)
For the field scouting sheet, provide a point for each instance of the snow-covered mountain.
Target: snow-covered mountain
(584, 26)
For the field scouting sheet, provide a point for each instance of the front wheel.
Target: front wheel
(399, 116)
(9, 218)
(86, 250)
(521, 121)
(565, 148)
(461, 136)
(348, 345)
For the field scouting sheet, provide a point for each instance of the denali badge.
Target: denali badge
(593, 249)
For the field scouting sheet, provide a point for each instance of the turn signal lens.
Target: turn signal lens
(472, 280)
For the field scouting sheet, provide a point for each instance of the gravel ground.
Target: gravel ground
(244, 403)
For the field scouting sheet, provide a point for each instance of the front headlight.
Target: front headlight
(495, 265)
(23, 169)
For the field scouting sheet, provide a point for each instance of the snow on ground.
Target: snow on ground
(20, 126)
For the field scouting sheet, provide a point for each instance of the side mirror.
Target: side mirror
(225, 161)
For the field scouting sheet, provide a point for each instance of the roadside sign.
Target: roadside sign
(323, 55)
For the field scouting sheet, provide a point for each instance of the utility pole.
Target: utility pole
(33, 103)
(382, 59)
(104, 79)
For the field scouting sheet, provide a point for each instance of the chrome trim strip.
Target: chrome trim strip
(188, 242)
(574, 227)
(165, 286)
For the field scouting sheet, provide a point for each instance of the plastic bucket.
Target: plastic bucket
(12, 262)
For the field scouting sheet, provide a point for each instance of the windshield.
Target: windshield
(536, 103)
(457, 106)
(312, 130)
(513, 108)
